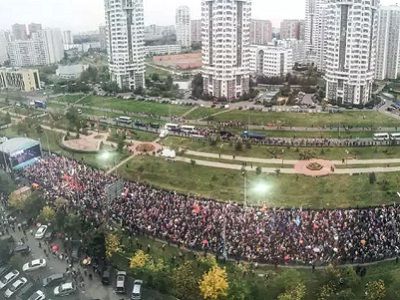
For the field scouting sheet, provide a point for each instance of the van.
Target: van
(137, 290)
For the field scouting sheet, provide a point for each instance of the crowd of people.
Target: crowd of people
(258, 234)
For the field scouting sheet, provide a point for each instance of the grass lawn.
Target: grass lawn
(289, 152)
(157, 109)
(355, 119)
(202, 112)
(151, 70)
(284, 190)
(68, 98)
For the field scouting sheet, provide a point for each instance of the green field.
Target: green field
(288, 152)
(151, 70)
(70, 99)
(202, 112)
(355, 119)
(133, 106)
(283, 190)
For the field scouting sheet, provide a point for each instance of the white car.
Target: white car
(41, 232)
(34, 265)
(38, 295)
(8, 278)
(15, 287)
(65, 289)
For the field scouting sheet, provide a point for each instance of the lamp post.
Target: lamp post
(244, 174)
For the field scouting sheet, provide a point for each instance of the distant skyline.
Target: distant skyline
(85, 15)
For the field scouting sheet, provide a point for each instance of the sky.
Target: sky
(84, 15)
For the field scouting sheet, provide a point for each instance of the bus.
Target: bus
(40, 104)
(381, 137)
(395, 136)
(172, 127)
(188, 129)
(125, 120)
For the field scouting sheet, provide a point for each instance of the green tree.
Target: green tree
(185, 280)
(6, 183)
(74, 119)
(375, 290)
(197, 86)
(294, 293)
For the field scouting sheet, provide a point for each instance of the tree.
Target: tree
(197, 86)
(74, 119)
(6, 183)
(296, 293)
(372, 178)
(214, 284)
(258, 170)
(375, 290)
(113, 244)
(139, 260)
(4, 252)
(120, 145)
(47, 214)
(185, 280)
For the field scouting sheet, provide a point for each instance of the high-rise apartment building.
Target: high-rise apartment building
(260, 32)
(19, 32)
(270, 60)
(103, 37)
(351, 35)
(315, 32)
(298, 50)
(44, 48)
(67, 37)
(33, 28)
(226, 47)
(291, 29)
(388, 46)
(3, 47)
(125, 42)
(196, 31)
(182, 26)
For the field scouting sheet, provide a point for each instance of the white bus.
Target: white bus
(172, 127)
(381, 137)
(188, 129)
(395, 136)
(124, 119)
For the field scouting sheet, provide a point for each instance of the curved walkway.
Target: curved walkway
(289, 169)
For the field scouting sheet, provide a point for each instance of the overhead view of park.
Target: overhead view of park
(199, 150)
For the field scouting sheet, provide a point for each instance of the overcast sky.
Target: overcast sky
(82, 15)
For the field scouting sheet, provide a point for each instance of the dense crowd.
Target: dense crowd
(256, 234)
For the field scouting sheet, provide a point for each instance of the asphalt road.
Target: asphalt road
(92, 289)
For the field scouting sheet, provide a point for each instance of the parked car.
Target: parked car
(65, 289)
(53, 280)
(34, 265)
(22, 249)
(49, 235)
(137, 290)
(8, 278)
(120, 285)
(38, 295)
(15, 287)
(41, 232)
(105, 277)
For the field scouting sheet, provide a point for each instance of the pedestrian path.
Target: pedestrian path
(189, 111)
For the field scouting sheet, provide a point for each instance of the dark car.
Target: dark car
(106, 276)
(53, 280)
(49, 235)
(76, 246)
(22, 249)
